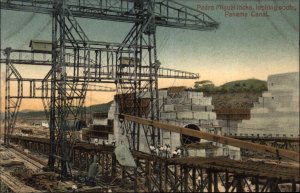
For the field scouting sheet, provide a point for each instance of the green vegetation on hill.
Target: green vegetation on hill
(249, 85)
(240, 94)
(233, 100)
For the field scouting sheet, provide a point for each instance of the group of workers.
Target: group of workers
(165, 151)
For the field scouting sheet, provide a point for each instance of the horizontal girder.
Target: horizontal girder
(167, 13)
(105, 73)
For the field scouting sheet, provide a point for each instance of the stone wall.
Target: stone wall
(180, 109)
(277, 111)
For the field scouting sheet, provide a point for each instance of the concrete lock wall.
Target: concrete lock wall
(185, 108)
(192, 108)
(99, 121)
(277, 111)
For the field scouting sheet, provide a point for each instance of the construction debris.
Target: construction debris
(22, 173)
(11, 163)
(44, 181)
(41, 181)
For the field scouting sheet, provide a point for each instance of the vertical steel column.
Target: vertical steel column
(7, 97)
(175, 178)
(12, 103)
(186, 179)
(52, 125)
(294, 187)
(209, 177)
(226, 181)
(148, 175)
(154, 65)
(166, 177)
(256, 181)
(123, 180)
(114, 165)
(135, 173)
(239, 185)
(160, 165)
(216, 189)
(194, 179)
(141, 36)
(62, 91)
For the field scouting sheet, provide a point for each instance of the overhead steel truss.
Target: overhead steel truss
(102, 66)
(167, 13)
(133, 64)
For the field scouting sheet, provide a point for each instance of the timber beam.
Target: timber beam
(213, 137)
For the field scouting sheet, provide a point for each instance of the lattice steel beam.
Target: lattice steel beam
(167, 13)
(103, 69)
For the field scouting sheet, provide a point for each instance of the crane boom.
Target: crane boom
(168, 13)
(105, 73)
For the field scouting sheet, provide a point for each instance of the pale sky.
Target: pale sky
(242, 48)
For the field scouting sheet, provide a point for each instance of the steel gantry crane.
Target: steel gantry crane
(132, 65)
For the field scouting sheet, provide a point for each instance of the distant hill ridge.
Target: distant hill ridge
(248, 85)
(94, 108)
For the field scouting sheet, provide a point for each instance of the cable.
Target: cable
(279, 31)
(20, 28)
(39, 33)
(286, 19)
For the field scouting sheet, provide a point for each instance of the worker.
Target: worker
(113, 142)
(106, 142)
(93, 170)
(174, 154)
(179, 152)
(152, 149)
(168, 151)
(161, 151)
(157, 151)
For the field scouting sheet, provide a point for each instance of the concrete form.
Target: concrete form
(181, 109)
(188, 107)
(276, 114)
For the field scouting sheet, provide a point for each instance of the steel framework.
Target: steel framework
(190, 174)
(133, 63)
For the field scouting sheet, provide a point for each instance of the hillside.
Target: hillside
(240, 94)
(249, 85)
(236, 100)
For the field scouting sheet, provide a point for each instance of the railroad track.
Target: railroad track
(30, 163)
(12, 182)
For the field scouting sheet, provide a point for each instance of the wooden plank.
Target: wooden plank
(216, 138)
(15, 185)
